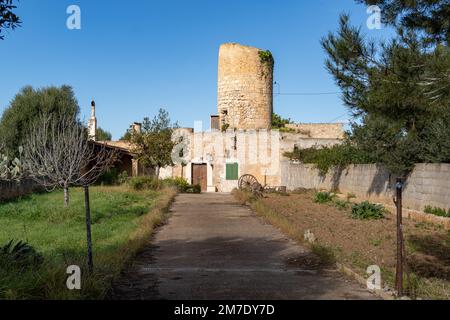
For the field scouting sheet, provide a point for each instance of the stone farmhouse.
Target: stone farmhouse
(240, 139)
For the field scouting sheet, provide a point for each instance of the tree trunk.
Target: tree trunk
(400, 247)
(88, 228)
(66, 196)
(157, 172)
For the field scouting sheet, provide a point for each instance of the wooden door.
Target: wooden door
(200, 176)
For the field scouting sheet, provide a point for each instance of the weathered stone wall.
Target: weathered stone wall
(257, 152)
(10, 189)
(245, 88)
(428, 185)
(320, 130)
(290, 140)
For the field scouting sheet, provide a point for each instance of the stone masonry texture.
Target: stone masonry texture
(245, 88)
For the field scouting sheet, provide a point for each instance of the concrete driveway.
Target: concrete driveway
(213, 248)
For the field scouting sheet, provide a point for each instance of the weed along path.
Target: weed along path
(214, 248)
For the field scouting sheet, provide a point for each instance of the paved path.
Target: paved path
(213, 248)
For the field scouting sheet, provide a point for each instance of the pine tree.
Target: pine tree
(430, 17)
(8, 19)
(398, 92)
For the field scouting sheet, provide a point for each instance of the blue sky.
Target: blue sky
(134, 57)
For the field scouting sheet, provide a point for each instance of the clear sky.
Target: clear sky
(134, 57)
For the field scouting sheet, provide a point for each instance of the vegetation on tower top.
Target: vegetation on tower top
(267, 57)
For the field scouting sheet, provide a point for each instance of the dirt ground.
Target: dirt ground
(359, 243)
(213, 248)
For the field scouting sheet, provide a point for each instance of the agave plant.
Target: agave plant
(19, 254)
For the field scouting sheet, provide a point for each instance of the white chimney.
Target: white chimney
(136, 127)
(92, 125)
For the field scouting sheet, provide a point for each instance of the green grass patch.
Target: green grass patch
(122, 220)
(437, 211)
(151, 183)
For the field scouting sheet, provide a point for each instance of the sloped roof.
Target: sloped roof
(123, 146)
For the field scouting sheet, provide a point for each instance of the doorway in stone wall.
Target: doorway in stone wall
(200, 175)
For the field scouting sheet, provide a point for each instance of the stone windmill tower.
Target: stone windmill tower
(245, 87)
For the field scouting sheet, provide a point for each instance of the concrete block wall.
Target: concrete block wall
(427, 185)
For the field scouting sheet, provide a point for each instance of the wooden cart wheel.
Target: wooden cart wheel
(247, 181)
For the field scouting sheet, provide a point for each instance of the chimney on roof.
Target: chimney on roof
(92, 108)
(136, 127)
(92, 125)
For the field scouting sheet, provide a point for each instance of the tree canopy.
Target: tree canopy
(430, 17)
(8, 19)
(399, 90)
(154, 144)
(278, 122)
(103, 135)
(26, 108)
(126, 136)
(59, 154)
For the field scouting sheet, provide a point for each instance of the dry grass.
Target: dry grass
(359, 243)
(246, 198)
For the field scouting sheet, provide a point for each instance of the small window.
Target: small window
(232, 171)
(215, 123)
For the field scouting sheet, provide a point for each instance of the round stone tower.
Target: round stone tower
(245, 87)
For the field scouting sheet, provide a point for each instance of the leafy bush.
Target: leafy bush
(23, 111)
(323, 197)
(278, 122)
(325, 158)
(341, 204)
(326, 254)
(368, 211)
(331, 198)
(180, 183)
(194, 189)
(19, 255)
(113, 177)
(267, 57)
(151, 183)
(144, 183)
(122, 178)
(109, 177)
(437, 211)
